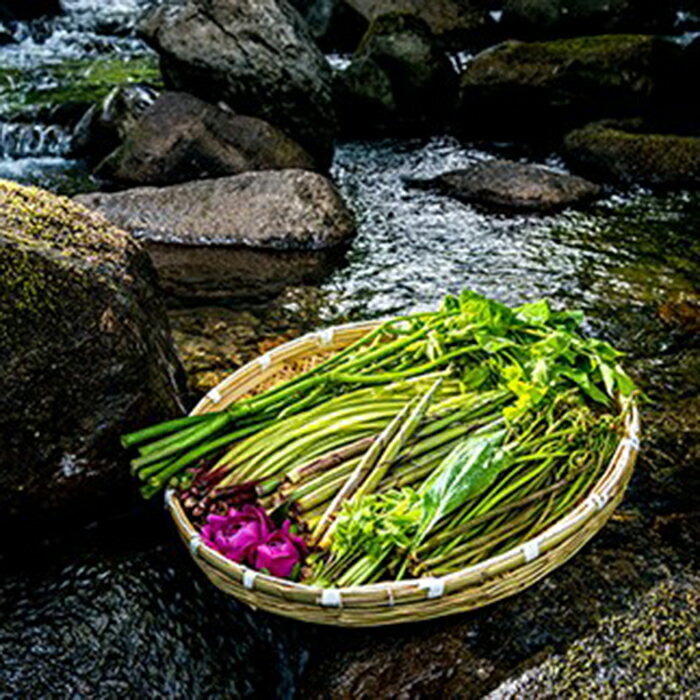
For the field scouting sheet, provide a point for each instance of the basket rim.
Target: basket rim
(610, 485)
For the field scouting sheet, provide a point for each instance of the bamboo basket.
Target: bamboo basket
(409, 600)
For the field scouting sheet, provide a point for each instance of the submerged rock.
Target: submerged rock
(623, 152)
(182, 138)
(85, 354)
(555, 18)
(108, 123)
(237, 236)
(452, 21)
(399, 80)
(255, 55)
(333, 23)
(544, 88)
(503, 184)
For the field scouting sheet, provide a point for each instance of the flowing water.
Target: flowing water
(116, 611)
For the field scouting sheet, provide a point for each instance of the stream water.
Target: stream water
(119, 609)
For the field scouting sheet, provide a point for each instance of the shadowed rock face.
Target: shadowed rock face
(544, 88)
(503, 184)
(399, 80)
(28, 9)
(181, 138)
(85, 353)
(257, 56)
(623, 152)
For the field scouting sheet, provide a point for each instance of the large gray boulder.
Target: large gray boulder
(399, 80)
(555, 18)
(503, 184)
(85, 354)
(182, 138)
(451, 21)
(542, 88)
(239, 236)
(255, 55)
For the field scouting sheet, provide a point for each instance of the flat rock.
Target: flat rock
(181, 138)
(503, 184)
(257, 56)
(85, 355)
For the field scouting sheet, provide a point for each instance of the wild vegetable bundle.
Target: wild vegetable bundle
(435, 441)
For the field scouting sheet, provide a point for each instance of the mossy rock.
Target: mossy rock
(85, 354)
(62, 93)
(541, 88)
(624, 152)
(399, 80)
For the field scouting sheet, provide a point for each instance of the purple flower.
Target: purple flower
(237, 534)
(280, 553)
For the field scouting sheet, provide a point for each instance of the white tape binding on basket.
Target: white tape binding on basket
(265, 360)
(598, 500)
(195, 544)
(249, 579)
(325, 337)
(531, 550)
(434, 586)
(330, 598)
(214, 395)
(170, 498)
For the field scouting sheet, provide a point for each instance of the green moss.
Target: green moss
(79, 82)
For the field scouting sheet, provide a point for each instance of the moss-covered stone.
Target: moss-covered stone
(624, 152)
(63, 92)
(545, 87)
(85, 352)
(399, 79)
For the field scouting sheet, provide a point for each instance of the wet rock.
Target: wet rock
(682, 312)
(85, 354)
(504, 184)
(399, 80)
(333, 23)
(453, 21)
(106, 125)
(238, 236)
(21, 10)
(142, 625)
(181, 138)
(556, 18)
(624, 152)
(257, 56)
(650, 650)
(541, 89)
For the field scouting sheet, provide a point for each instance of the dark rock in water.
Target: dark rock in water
(648, 651)
(182, 138)
(453, 22)
(106, 125)
(85, 354)
(255, 55)
(333, 23)
(503, 184)
(28, 9)
(623, 152)
(682, 312)
(268, 229)
(541, 89)
(556, 18)
(138, 625)
(399, 80)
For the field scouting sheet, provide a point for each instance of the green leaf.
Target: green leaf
(466, 472)
(583, 380)
(537, 313)
(624, 383)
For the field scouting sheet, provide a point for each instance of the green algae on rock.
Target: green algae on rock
(85, 349)
(625, 152)
(534, 88)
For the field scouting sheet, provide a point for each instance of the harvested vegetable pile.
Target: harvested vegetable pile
(435, 441)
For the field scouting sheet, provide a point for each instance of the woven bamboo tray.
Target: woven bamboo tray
(409, 600)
